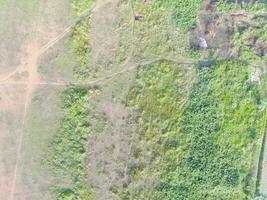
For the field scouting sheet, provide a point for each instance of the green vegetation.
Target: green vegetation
(156, 34)
(160, 96)
(80, 40)
(250, 6)
(67, 151)
(80, 43)
(224, 126)
(242, 40)
(184, 12)
(249, 42)
(201, 147)
(207, 150)
(82, 6)
(199, 127)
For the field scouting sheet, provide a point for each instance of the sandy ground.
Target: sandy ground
(34, 33)
(20, 80)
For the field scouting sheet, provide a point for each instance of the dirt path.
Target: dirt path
(33, 53)
(38, 24)
(8, 76)
(30, 65)
(32, 58)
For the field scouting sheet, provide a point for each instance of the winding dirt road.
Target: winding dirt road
(29, 65)
(32, 59)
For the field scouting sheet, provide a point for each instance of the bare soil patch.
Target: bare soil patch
(12, 22)
(10, 119)
(109, 145)
(104, 36)
(217, 29)
(19, 77)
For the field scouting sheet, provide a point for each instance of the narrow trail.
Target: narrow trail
(54, 41)
(65, 32)
(40, 52)
(92, 82)
(32, 59)
(33, 53)
(31, 64)
(50, 44)
(8, 76)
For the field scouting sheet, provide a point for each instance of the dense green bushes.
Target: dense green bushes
(82, 6)
(205, 151)
(80, 44)
(184, 12)
(66, 155)
(159, 96)
(213, 165)
(156, 34)
(250, 6)
(80, 40)
(67, 152)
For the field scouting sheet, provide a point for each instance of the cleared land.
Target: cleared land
(16, 97)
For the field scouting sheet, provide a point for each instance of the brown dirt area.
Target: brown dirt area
(20, 54)
(20, 84)
(104, 38)
(109, 145)
(110, 142)
(217, 30)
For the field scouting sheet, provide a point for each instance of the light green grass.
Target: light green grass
(184, 13)
(80, 40)
(66, 156)
(82, 6)
(159, 34)
(252, 8)
(198, 153)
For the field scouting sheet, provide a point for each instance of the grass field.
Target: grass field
(65, 158)
(199, 126)
(123, 107)
(197, 147)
